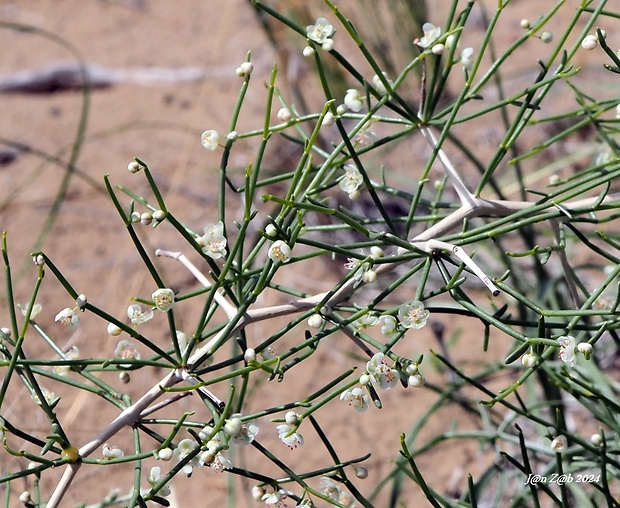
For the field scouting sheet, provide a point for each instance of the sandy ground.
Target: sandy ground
(152, 111)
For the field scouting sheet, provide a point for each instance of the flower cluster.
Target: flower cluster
(213, 242)
(380, 372)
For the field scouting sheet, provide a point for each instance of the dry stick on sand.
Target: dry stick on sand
(471, 207)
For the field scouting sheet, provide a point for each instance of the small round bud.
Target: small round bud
(271, 231)
(438, 49)
(124, 377)
(308, 51)
(589, 42)
(369, 276)
(208, 456)
(114, 330)
(284, 115)
(249, 355)
(70, 454)
(596, 440)
(416, 381)
(159, 215)
(341, 110)
(528, 360)
(292, 418)
(239, 71)
(554, 179)
(135, 217)
(328, 119)
(24, 497)
(233, 426)
(603, 34)
(412, 369)
(232, 136)
(525, 24)
(146, 218)
(258, 492)
(164, 454)
(361, 472)
(5, 332)
(364, 379)
(247, 68)
(134, 167)
(376, 252)
(315, 321)
(81, 301)
(328, 45)
(38, 260)
(546, 37)
(354, 195)
(585, 348)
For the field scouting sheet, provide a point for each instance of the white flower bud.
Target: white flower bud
(315, 321)
(271, 231)
(134, 167)
(308, 51)
(376, 252)
(416, 381)
(233, 426)
(589, 42)
(284, 115)
(361, 472)
(328, 45)
(135, 217)
(164, 454)
(328, 119)
(546, 37)
(438, 49)
(38, 260)
(369, 276)
(124, 377)
(525, 24)
(585, 348)
(341, 109)
(596, 440)
(159, 215)
(249, 355)
(232, 136)
(81, 301)
(353, 195)
(5, 332)
(146, 218)
(364, 379)
(292, 418)
(247, 68)
(412, 369)
(24, 497)
(528, 360)
(258, 492)
(114, 330)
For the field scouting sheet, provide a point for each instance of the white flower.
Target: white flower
(320, 31)
(333, 491)
(351, 180)
(185, 448)
(241, 432)
(275, 498)
(137, 315)
(389, 325)
(164, 299)
(112, 452)
(567, 349)
(380, 372)
(210, 139)
(289, 436)
(356, 398)
(466, 59)
(214, 459)
(431, 34)
(559, 444)
(154, 477)
(257, 492)
(48, 395)
(413, 315)
(379, 85)
(72, 354)
(36, 309)
(589, 42)
(280, 251)
(353, 100)
(126, 350)
(68, 317)
(366, 321)
(213, 241)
